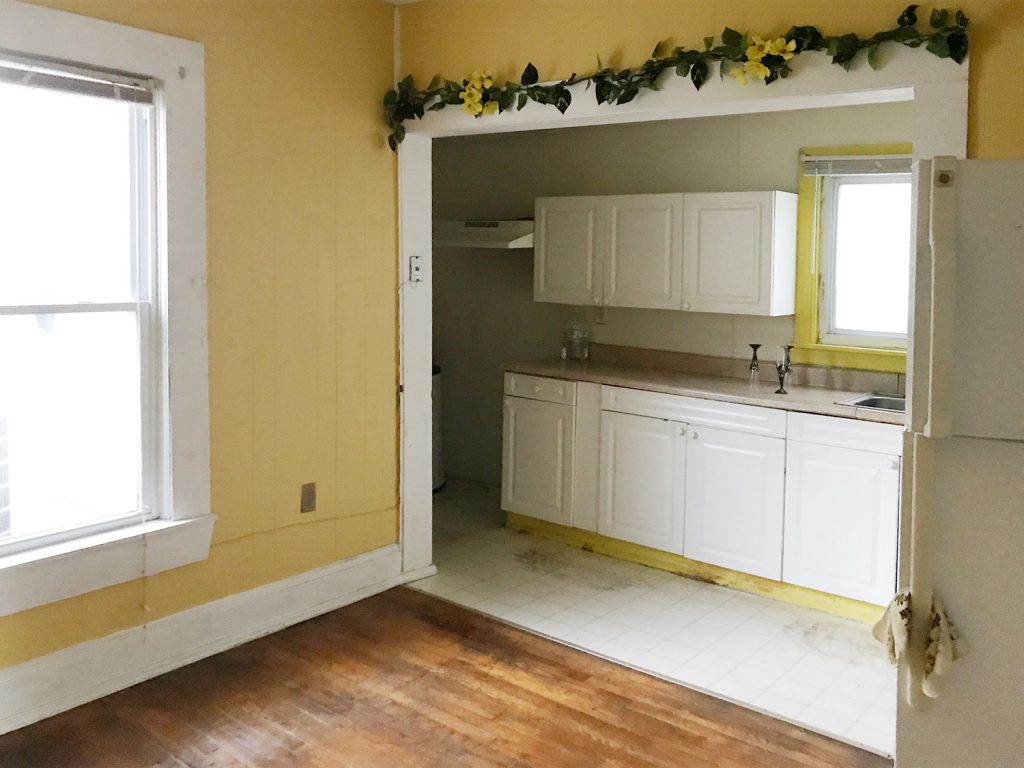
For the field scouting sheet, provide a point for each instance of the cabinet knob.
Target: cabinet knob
(686, 305)
(694, 435)
(605, 302)
(536, 389)
(597, 299)
(561, 392)
(896, 464)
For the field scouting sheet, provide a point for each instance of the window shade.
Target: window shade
(59, 76)
(855, 165)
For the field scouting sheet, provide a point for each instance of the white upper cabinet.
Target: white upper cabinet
(729, 252)
(567, 252)
(739, 253)
(734, 500)
(642, 477)
(644, 261)
(568, 242)
(619, 251)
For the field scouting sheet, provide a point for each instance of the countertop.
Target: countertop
(732, 390)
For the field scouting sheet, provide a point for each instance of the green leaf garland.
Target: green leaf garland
(765, 59)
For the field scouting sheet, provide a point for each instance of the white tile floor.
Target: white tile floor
(810, 668)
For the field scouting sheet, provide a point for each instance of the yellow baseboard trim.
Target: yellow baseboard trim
(713, 574)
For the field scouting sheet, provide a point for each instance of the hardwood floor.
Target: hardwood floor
(404, 679)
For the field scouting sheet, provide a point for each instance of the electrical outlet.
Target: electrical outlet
(308, 500)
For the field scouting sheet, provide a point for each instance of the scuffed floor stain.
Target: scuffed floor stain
(565, 563)
(539, 561)
(832, 639)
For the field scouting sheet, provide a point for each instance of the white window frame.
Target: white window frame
(831, 335)
(181, 526)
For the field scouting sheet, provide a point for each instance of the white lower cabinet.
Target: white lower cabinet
(642, 475)
(842, 514)
(806, 499)
(537, 459)
(734, 500)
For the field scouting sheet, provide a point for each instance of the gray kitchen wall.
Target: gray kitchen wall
(484, 314)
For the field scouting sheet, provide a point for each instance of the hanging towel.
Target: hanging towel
(893, 629)
(944, 647)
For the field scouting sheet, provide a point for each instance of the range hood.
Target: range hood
(484, 234)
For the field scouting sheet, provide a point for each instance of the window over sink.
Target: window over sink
(853, 257)
(865, 259)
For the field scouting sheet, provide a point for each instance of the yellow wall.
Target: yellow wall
(563, 36)
(302, 283)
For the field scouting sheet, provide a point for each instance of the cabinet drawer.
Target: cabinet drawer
(540, 388)
(694, 410)
(846, 433)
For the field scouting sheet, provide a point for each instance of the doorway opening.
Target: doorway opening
(546, 586)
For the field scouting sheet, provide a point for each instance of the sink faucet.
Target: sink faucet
(784, 368)
(755, 365)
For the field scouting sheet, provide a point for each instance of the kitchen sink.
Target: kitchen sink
(880, 401)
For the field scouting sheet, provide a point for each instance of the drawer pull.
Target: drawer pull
(694, 435)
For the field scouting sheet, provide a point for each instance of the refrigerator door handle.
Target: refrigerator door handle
(942, 240)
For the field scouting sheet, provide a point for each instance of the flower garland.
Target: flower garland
(752, 57)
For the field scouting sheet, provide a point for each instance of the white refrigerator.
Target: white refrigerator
(962, 533)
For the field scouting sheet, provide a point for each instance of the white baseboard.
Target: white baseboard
(62, 680)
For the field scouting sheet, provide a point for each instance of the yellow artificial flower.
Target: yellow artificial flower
(756, 70)
(481, 79)
(472, 93)
(779, 47)
(739, 74)
(758, 48)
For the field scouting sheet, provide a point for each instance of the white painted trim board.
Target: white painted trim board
(59, 681)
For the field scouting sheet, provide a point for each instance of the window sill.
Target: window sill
(859, 358)
(58, 571)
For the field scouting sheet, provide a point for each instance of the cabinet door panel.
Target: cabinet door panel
(566, 254)
(728, 252)
(842, 508)
(642, 480)
(537, 460)
(645, 253)
(734, 498)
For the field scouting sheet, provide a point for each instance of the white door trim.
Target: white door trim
(937, 87)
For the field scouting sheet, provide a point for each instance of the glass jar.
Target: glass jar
(575, 341)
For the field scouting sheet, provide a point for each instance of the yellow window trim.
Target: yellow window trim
(808, 348)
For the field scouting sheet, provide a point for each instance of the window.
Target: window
(853, 257)
(865, 241)
(77, 310)
(104, 457)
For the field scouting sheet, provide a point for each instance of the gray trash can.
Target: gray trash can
(5, 490)
(435, 395)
